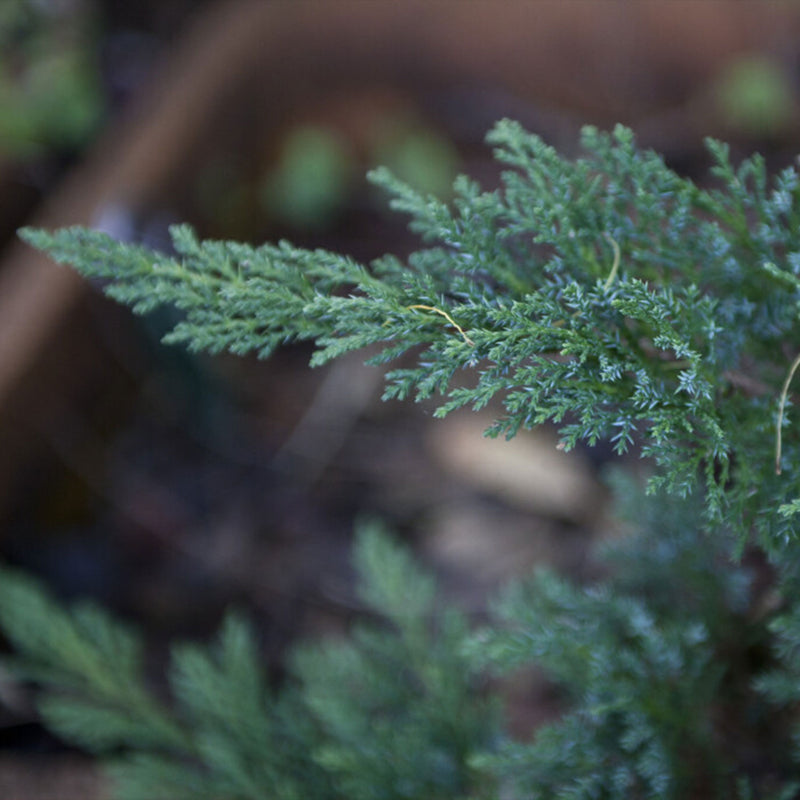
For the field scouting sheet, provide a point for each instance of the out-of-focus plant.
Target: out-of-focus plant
(312, 179)
(317, 169)
(419, 155)
(50, 93)
(755, 97)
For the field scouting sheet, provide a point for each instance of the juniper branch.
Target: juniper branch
(638, 345)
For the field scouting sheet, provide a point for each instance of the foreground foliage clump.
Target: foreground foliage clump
(607, 296)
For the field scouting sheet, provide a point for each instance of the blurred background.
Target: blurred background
(168, 486)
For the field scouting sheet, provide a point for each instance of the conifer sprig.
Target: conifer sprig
(394, 711)
(606, 294)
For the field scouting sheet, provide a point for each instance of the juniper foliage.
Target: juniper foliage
(391, 713)
(656, 666)
(606, 295)
(671, 687)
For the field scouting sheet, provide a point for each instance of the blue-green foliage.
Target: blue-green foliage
(393, 712)
(227, 736)
(652, 662)
(399, 709)
(672, 686)
(606, 294)
(93, 659)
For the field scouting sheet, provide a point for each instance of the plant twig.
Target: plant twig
(781, 407)
(615, 266)
(448, 318)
